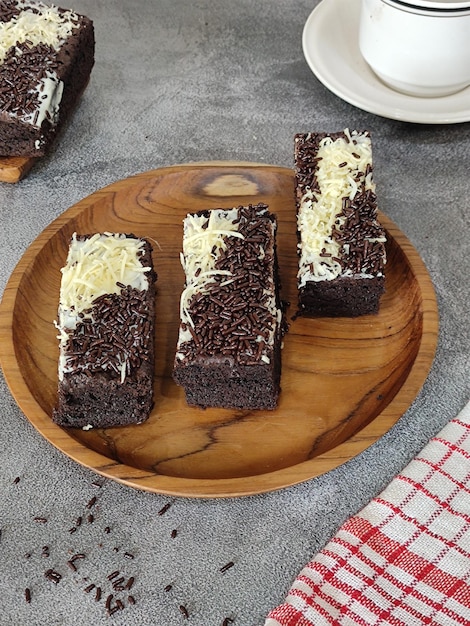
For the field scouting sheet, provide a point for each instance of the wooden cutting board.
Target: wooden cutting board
(13, 169)
(345, 382)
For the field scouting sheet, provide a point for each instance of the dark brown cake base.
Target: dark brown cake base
(225, 385)
(102, 403)
(76, 60)
(341, 297)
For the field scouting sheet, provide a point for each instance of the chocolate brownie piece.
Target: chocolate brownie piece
(229, 346)
(341, 243)
(46, 57)
(106, 322)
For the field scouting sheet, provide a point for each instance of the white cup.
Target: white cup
(417, 47)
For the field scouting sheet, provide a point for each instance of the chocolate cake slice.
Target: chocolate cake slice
(341, 243)
(106, 322)
(229, 345)
(46, 56)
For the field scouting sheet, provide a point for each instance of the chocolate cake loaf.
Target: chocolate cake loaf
(106, 322)
(229, 346)
(341, 244)
(46, 56)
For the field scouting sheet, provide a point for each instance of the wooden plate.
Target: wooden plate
(13, 169)
(345, 382)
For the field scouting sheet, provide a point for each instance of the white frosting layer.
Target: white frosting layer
(45, 25)
(50, 91)
(94, 268)
(318, 213)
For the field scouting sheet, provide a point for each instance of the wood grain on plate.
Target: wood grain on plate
(345, 382)
(13, 169)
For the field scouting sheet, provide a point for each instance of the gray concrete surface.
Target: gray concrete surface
(178, 81)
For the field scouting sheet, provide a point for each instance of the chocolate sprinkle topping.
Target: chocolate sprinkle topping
(8, 10)
(115, 333)
(21, 72)
(364, 256)
(232, 318)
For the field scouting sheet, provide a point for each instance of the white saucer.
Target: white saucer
(331, 48)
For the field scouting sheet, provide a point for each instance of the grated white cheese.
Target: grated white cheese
(317, 213)
(95, 266)
(43, 25)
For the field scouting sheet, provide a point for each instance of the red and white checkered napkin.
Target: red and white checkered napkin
(404, 560)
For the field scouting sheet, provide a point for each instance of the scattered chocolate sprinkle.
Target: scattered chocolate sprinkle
(91, 503)
(98, 594)
(227, 621)
(168, 588)
(184, 611)
(73, 530)
(113, 610)
(27, 595)
(117, 584)
(128, 555)
(53, 576)
(113, 574)
(90, 519)
(109, 599)
(98, 484)
(164, 509)
(72, 566)
(89, 588)
(80, 555)
(45, 551)
(131, 599)
(174, 533)
(129, 583)
(17, 480)
(227, 566)
(119, 604)
(41, 520)
(79, 521)
(107, 530)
